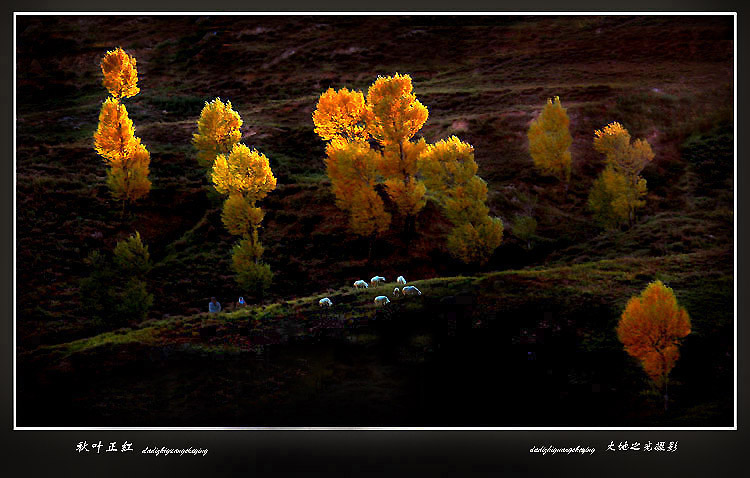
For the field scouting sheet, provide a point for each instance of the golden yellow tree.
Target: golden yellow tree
(353, 170)
(393, 116)
(114, 139)
(380, 128)
(620, 190)
(627, 157)
(650, 328)
(245, 176)
(550, 140)
(218, 132)
(449, 171)
(339, 116)
(614, 198)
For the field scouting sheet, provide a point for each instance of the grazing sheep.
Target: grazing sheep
(377, 280)
(396, 292)
(325, 302)
(401, 280)
(360, 284)
(411, 290)
(381, 300)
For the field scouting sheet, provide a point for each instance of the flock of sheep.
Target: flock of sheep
(381, 299)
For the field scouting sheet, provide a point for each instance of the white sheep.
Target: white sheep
(411, 290)
(325, 302)
(401, 280)
(377, 280)
(360, 284)
(381, 300)
(396, 292)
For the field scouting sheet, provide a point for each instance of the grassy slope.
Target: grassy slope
(486, 323)
(665, 80)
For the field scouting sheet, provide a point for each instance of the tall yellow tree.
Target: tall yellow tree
(218, 132)
(650, 328)
(114, 139)
(245, 176)
(550, 140)
(393, 116)
(620, 190)
(449, 171)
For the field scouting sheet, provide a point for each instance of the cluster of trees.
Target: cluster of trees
(377, 168)
(243, 177)
(619, 190)
(372, 156)
(114, 140)
(652, 324)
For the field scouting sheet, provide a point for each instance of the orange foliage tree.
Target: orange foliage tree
(393, 116)
(353, 170)
(650, 328)
(371, 148)
(380, 129)
(114, 139)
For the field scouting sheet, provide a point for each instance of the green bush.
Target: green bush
(711, 155)
(114, 294)
(255, 278)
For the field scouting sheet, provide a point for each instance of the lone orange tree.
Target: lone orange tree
(114, 139)
(550, 140)
(650, 328)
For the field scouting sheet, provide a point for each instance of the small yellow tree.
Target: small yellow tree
(628, 158)
(246, 177)
(650, 328)
(614, 198)
(620, 190)
(114, 139)
(218, 132)
(550, 140)
(450, 171)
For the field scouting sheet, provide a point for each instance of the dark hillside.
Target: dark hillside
(667, 79)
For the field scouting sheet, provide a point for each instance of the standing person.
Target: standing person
(241, 302)
(214, 306)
